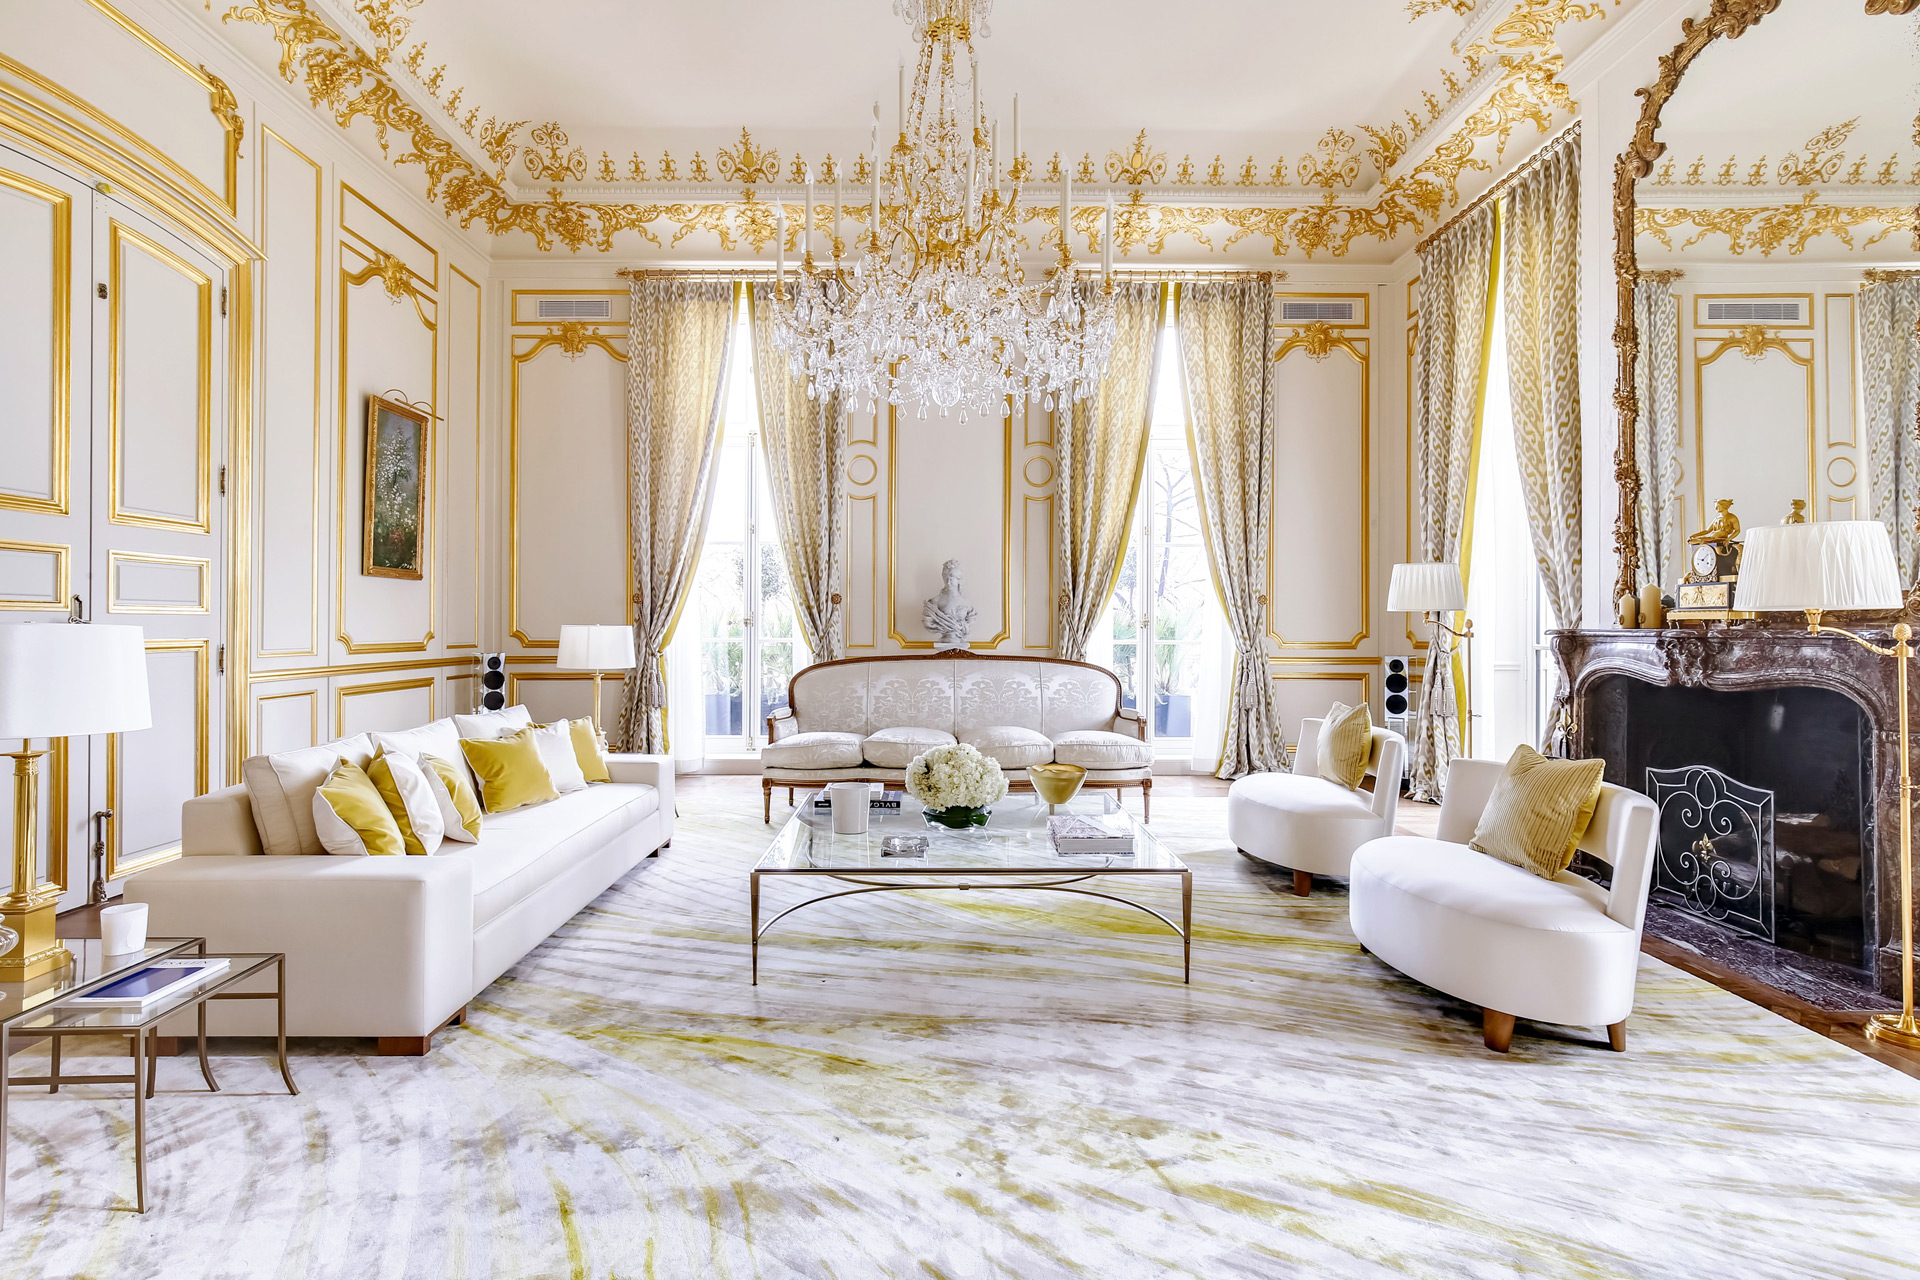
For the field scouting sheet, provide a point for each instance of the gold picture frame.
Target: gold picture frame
(393, 540)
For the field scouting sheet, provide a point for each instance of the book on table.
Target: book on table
(155, 982)
(1110, 833)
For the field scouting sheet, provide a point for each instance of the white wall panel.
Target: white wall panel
(287, 717)
(949, 492)
(362, 706)
(1317, 572)
(460, 522)
(36, 224)
(557, 695)
(151, 773)
(1756, 429)
(159, 384)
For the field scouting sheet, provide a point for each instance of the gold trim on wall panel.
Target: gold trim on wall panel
(893, 539)
(313, 702)
(1359, 349)
(348, 281)
(319, 371)
(1699, 311)
(873, 571)
(1413, 342)
(346, 189)
(1028, 417)
(479, 456)
(239, 513)
(540, 343)
(1840, 357)
(1841, 509)
(1364, 677)
(862, 460)
(63, 576)
(115, 603)
(358, 669)
(1027, 505)
(870, 422)
(343, 692)
(1734, 343)
(116, 867)
(117, 235)
(61, 424)
(1835, 478)
(1413, 297)
(515, 677)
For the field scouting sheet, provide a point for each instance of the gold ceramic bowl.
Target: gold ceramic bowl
(1056, 783)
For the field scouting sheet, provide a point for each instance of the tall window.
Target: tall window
(1162, 625)
(741, 607)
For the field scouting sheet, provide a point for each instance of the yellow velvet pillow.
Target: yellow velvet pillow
(586, 749)
(350, 816)
(459, 807)
(1538, 811)
(410, 799)
(509, 770)
(1346, 745)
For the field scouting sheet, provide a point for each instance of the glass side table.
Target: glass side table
(44, 1007)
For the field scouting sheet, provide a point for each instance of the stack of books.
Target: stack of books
(1108, 833)
(155, 982)
(880, 799)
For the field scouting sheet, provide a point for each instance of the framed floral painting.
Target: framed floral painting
(394, 544)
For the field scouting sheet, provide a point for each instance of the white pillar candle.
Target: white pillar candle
(806, 244)
(873, 198)
(779, 239)
(967, 209)
(1016, 131)
(903, 97)
(973, 118)
(873, 143)
(993, 155)
(833, 235)
(1106, 256)
(1066, 208)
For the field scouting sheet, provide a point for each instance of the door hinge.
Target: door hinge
(223, 479)
(221, 668)
(223, 300)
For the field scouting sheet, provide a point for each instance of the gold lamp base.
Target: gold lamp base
(38, 952)
(25, 911)
(1897, 1029)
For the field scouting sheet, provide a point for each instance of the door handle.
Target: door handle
(97, 891)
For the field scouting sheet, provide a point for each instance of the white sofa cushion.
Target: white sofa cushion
(522, 849)
(1010, 746)
(817, 749)
(554, 742)
(441, 738)
(1101, 749)
(493, 724)
(896, 748)
(281, 787)
(1300, 821)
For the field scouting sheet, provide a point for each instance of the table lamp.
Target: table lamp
(1436, 590)
(57, 680)
(1846, 564)
(598, 648)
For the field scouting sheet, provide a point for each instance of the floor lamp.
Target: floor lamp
(1846, 564)
(57, 680)
(598, 648)
(1436, 591)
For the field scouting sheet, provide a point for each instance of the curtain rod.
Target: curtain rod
(1501, 187)
(1151, 275)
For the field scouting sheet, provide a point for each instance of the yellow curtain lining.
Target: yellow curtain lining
(760, 404)
(1146, 443)
(1473, 456)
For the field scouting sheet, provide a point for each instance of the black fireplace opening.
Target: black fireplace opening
(1810, 748)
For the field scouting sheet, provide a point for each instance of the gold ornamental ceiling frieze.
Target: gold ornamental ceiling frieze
(1310, 204)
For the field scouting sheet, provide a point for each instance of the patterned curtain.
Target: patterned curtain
(1449, 392)
(1656, 432)
(677, 348)
(1226, 342)
(803, 439)
(1890, 375)
(1540, 278)
(1101, 456)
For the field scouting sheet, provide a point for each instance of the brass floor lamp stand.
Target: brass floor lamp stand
(28, 910)
(1466, 674)
(1887, 1028)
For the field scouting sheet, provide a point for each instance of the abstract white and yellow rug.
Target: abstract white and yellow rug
(987, 1084)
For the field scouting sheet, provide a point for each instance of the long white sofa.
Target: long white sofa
(865, 719)
(395, 947)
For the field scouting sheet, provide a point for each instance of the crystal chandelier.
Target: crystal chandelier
(935, 306)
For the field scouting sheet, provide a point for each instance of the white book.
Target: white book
(154, 982)
(1091, 833)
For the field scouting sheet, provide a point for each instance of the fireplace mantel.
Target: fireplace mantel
(1741, 658)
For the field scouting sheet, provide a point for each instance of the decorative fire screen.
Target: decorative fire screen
(1716, 847)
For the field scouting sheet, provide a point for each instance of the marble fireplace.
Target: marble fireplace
(1807, 721)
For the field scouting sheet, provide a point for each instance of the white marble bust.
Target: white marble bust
(947, 613)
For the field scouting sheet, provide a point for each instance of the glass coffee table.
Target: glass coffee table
(1012, 851)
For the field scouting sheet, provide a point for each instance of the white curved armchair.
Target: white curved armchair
(1310, 825)
(1564, 950)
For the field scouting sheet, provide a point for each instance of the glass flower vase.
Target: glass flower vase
(957, 817)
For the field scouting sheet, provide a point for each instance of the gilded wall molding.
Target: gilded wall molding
(1767, 228)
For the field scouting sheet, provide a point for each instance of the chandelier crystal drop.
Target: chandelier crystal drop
(932, 304)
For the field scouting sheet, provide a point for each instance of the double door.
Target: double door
(114, 393)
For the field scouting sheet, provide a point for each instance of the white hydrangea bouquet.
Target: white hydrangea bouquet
(956, 784)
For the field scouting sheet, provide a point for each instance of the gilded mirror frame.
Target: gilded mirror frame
(1727, 19)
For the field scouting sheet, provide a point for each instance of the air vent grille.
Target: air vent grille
(1327, 311)
(576, 308)
(1758, 311)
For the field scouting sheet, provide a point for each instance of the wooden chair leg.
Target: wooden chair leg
(789, 797)
(766, 803)
(1617, 1036)
(1302, 883)
(1496, 1029)
(1146, 800)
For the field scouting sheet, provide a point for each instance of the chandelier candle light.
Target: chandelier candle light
(935, 307)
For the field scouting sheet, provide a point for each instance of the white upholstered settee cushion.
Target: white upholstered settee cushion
(281, 786)
(1101, 749)
(441, 738)
(816, 749)
(1299, 821)
(1010, 746)
(895, 748)
(493, 724)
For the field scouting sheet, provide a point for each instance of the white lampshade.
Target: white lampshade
(595, 647)
(1426, 588)
(60, 680)
(1830, 564)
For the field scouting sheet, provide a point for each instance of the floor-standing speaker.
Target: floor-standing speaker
(1399, 697)
(493, 681)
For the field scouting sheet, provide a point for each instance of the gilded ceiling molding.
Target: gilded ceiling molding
(353, 84)
(1771, 227)
(1817, 163)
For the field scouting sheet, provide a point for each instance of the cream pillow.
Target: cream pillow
(410, 800)
(452, 786)
(280, 791)
(555, 742)
(1346, 745)
(441, 738)
(350, 816)
(1538, 811)
(486, 725)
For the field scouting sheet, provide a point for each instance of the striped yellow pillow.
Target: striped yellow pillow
(1538, 811)
(1346, 745)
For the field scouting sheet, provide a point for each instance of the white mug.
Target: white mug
(123, 927)
(849, 806)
